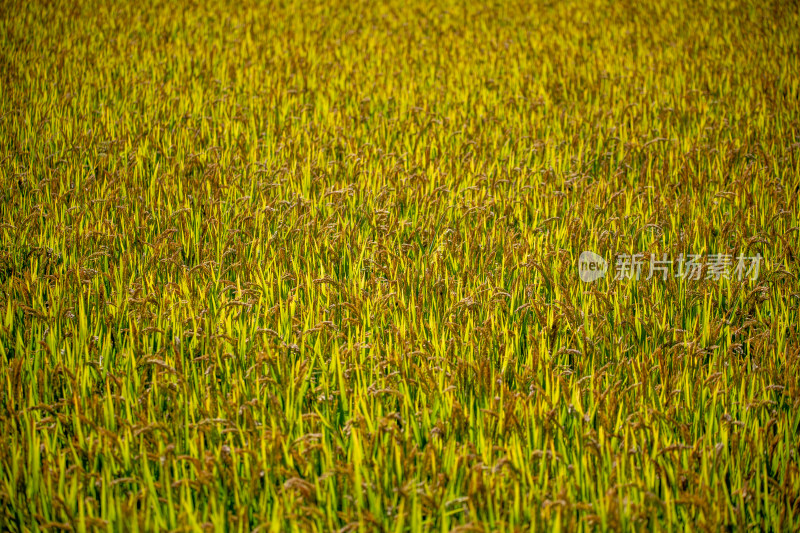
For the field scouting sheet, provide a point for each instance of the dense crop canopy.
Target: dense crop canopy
(313, 266)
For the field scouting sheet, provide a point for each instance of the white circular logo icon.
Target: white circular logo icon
(591, 267)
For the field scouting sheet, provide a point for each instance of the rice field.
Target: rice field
(318, 266)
